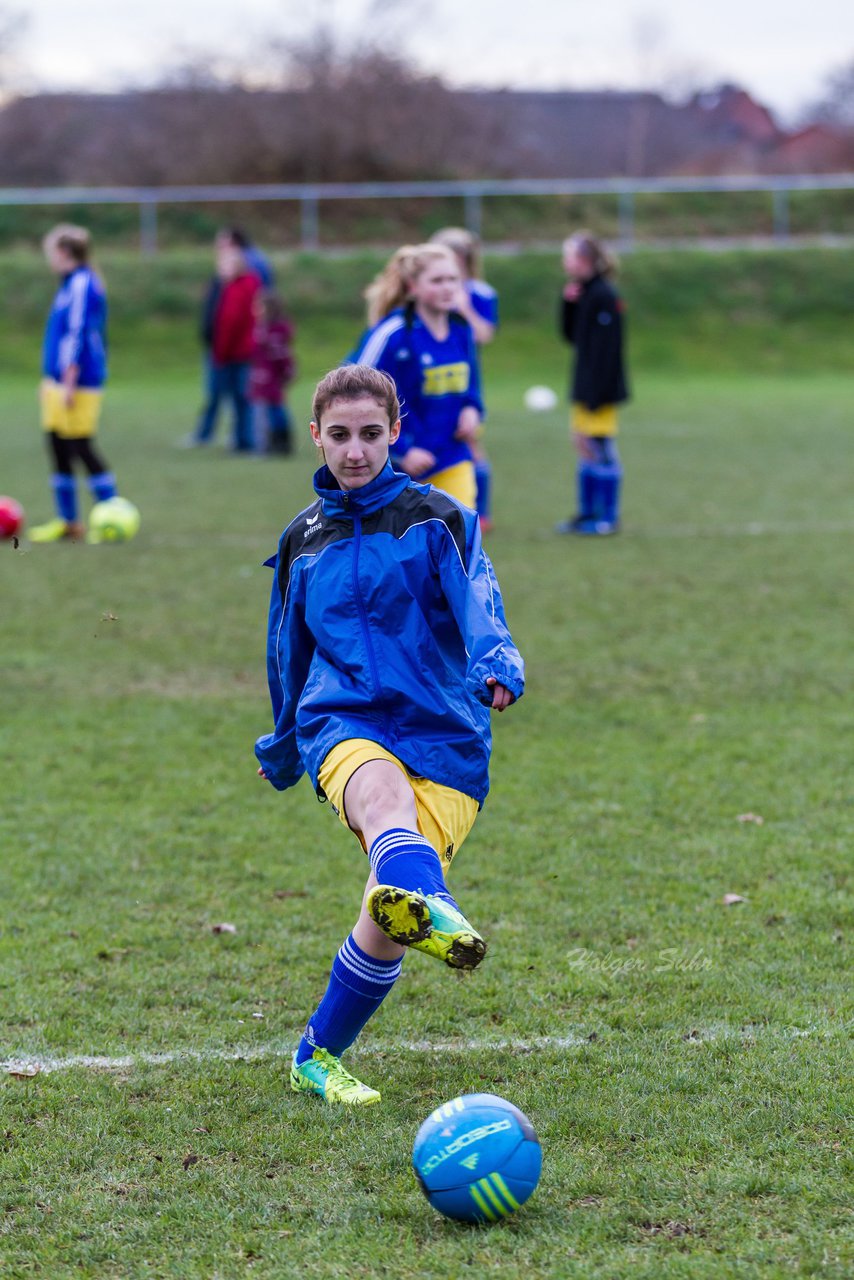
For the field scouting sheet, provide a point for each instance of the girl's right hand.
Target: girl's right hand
(261, 773)
(572, 291)
(417, 461)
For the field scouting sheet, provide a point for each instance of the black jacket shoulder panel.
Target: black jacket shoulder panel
(413, 507)
(308, 533)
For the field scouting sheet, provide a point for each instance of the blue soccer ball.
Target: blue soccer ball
(477, 1158)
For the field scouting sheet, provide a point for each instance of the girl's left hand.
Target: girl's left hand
(501, 696)
(468, 424)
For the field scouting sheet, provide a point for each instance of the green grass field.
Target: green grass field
(683, 1061)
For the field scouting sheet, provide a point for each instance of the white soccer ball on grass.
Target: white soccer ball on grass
(540, 399)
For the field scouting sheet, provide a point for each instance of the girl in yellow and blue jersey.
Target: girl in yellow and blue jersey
(419, 339)
(591, 319)
(74, 368)
(478, 304)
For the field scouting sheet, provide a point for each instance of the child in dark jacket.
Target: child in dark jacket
(592, 320)
(271, 370)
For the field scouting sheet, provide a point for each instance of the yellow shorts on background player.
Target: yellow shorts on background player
(459, 481)
(78, 420)
(593, 422)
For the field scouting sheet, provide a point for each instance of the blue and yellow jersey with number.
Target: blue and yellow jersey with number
(435, 379)
(76, 330)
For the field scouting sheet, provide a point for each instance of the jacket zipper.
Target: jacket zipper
(360, 605)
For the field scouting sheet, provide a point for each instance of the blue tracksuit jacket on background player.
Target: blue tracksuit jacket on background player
(76, 330)
(385, 621)
(435, 381)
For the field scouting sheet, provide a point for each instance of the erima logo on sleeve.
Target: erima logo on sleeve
(313, 524)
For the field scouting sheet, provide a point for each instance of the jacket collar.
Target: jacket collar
(379, 492)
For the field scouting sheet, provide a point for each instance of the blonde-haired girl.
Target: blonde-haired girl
(418, 338)
(478, 304)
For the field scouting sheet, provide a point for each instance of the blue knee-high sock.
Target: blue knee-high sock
(607, 493)
(483, 478)
(103, 486)
(408, 861)
(586, 477)
(65, 497)
(358, 984)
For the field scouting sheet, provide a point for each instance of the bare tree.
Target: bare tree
(836, 106)
(13, 24)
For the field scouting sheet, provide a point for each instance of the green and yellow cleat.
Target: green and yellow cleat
(56, 530)
(322, 1074)
(426, 924)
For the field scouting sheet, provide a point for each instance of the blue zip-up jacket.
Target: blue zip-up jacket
(385, 622)
(435, 381)
(76, 330)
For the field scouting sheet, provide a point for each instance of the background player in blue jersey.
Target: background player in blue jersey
(74, 368)
(427, 348)
(387, 649)
(477, 303)
(591, 319)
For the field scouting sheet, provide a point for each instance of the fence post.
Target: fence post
(309, 210)
(474, 213)
(781, 213)
(626, 218)
(148, 228)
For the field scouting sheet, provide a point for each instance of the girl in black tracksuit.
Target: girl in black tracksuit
(591, 319)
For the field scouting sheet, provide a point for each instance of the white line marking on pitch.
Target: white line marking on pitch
(38, 1064)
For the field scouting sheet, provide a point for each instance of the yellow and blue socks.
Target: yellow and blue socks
(103, 486)
(65, 497)
(599, 485)
(407, 860)
(586, 482)
(358, 984)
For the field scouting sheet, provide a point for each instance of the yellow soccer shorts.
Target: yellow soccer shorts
(459, 481)
(74, 421)
(593, 422)
(445, 816)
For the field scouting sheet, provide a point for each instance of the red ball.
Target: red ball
(11, 517)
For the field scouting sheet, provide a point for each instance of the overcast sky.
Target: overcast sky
(781, 50)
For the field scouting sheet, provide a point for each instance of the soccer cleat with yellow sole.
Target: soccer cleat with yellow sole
(323, 1075)
(56, 530)
(426, 923)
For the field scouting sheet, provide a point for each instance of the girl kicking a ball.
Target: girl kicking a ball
(387, 649)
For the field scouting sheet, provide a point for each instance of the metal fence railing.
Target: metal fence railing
(309, 197)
